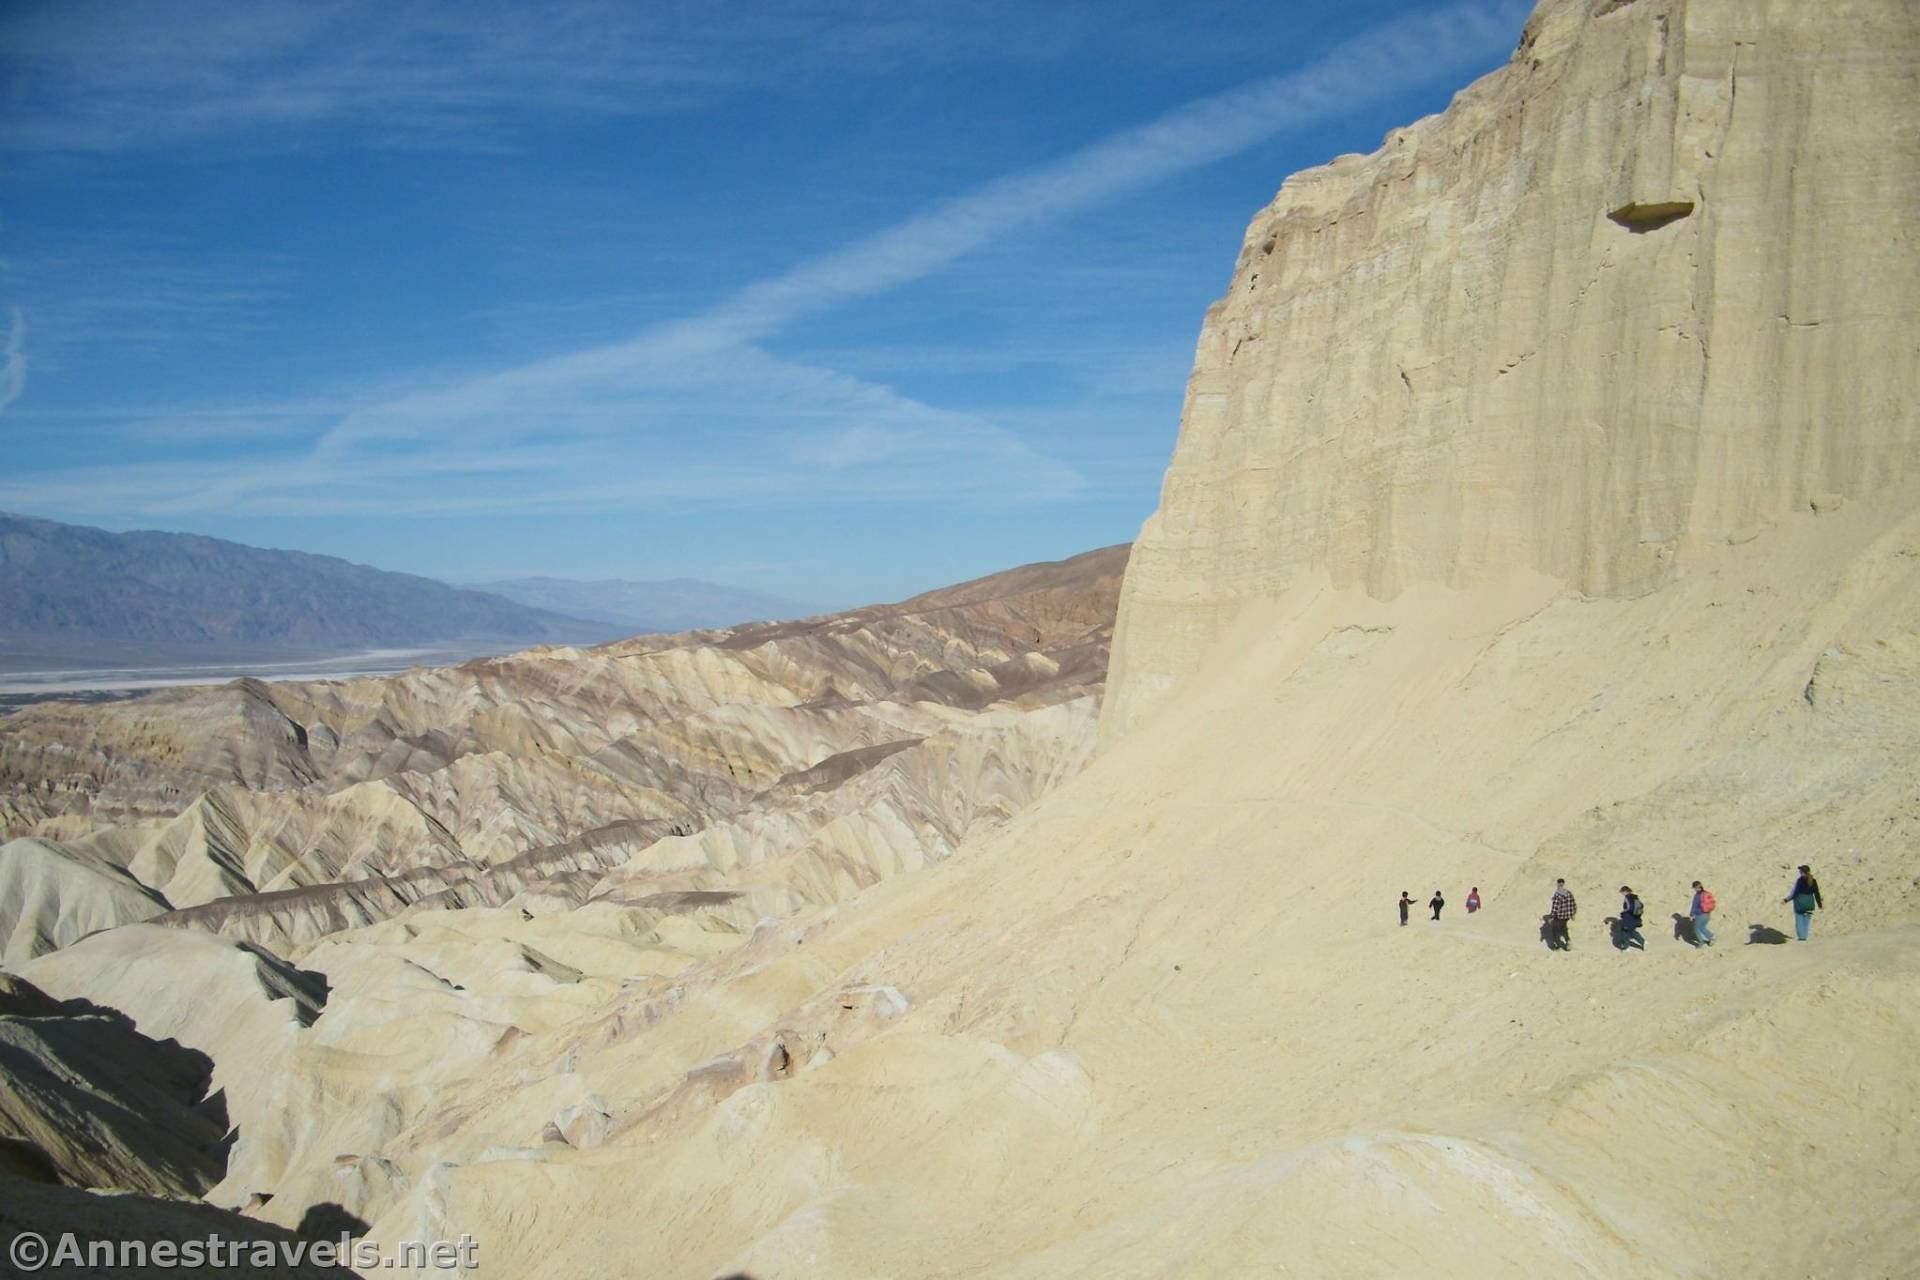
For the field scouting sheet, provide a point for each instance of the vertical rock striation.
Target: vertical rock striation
(1651, 285)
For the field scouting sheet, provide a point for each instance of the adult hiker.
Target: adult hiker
(1631, 913)
(1436, 902)
(1406, 901)
(1473, 900)
(1701, 909)
(1806, 900)
(1559, 915)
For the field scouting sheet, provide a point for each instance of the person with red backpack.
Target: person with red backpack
(1702, 912)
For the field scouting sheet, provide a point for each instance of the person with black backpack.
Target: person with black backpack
(1805, 897)
(1631, 914)
(1436, 902)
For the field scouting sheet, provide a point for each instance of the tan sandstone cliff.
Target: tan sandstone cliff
(1162, 1021)
(1650, 287)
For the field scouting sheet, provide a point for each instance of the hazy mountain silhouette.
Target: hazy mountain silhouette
(676, 604)
(78, 585)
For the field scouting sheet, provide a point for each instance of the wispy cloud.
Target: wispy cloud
(102, 76)
(136, 293)
(699, 411)
(13, 378)
(540, 395)
(945, 458)
(280, 421)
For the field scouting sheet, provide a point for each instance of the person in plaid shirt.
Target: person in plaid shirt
(1559, 916)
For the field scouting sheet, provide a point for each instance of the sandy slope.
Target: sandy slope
(1165, 1024)
(54, 894)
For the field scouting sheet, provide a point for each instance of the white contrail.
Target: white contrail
(1362, 71)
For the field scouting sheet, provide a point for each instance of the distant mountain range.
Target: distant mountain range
(677, 604)
(79, 586)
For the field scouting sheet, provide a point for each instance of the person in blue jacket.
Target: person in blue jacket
(1805, 897)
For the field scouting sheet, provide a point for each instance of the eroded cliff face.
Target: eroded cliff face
(1648, 288)
(1156, 1017)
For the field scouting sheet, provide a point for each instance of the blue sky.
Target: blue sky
(838, 300)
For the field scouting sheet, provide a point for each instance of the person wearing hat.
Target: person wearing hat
(1805, 897)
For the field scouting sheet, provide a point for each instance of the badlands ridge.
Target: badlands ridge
(1546, 503)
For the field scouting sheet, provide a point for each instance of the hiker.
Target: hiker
(1805, 898)
(1559, 916)
(1406, 901)
(1631, 913)
(1436, 902)
(1473, 900)
(1701, 909)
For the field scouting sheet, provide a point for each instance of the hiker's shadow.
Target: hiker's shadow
(1614, 934)
(1764, 933)
(1683, 930)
